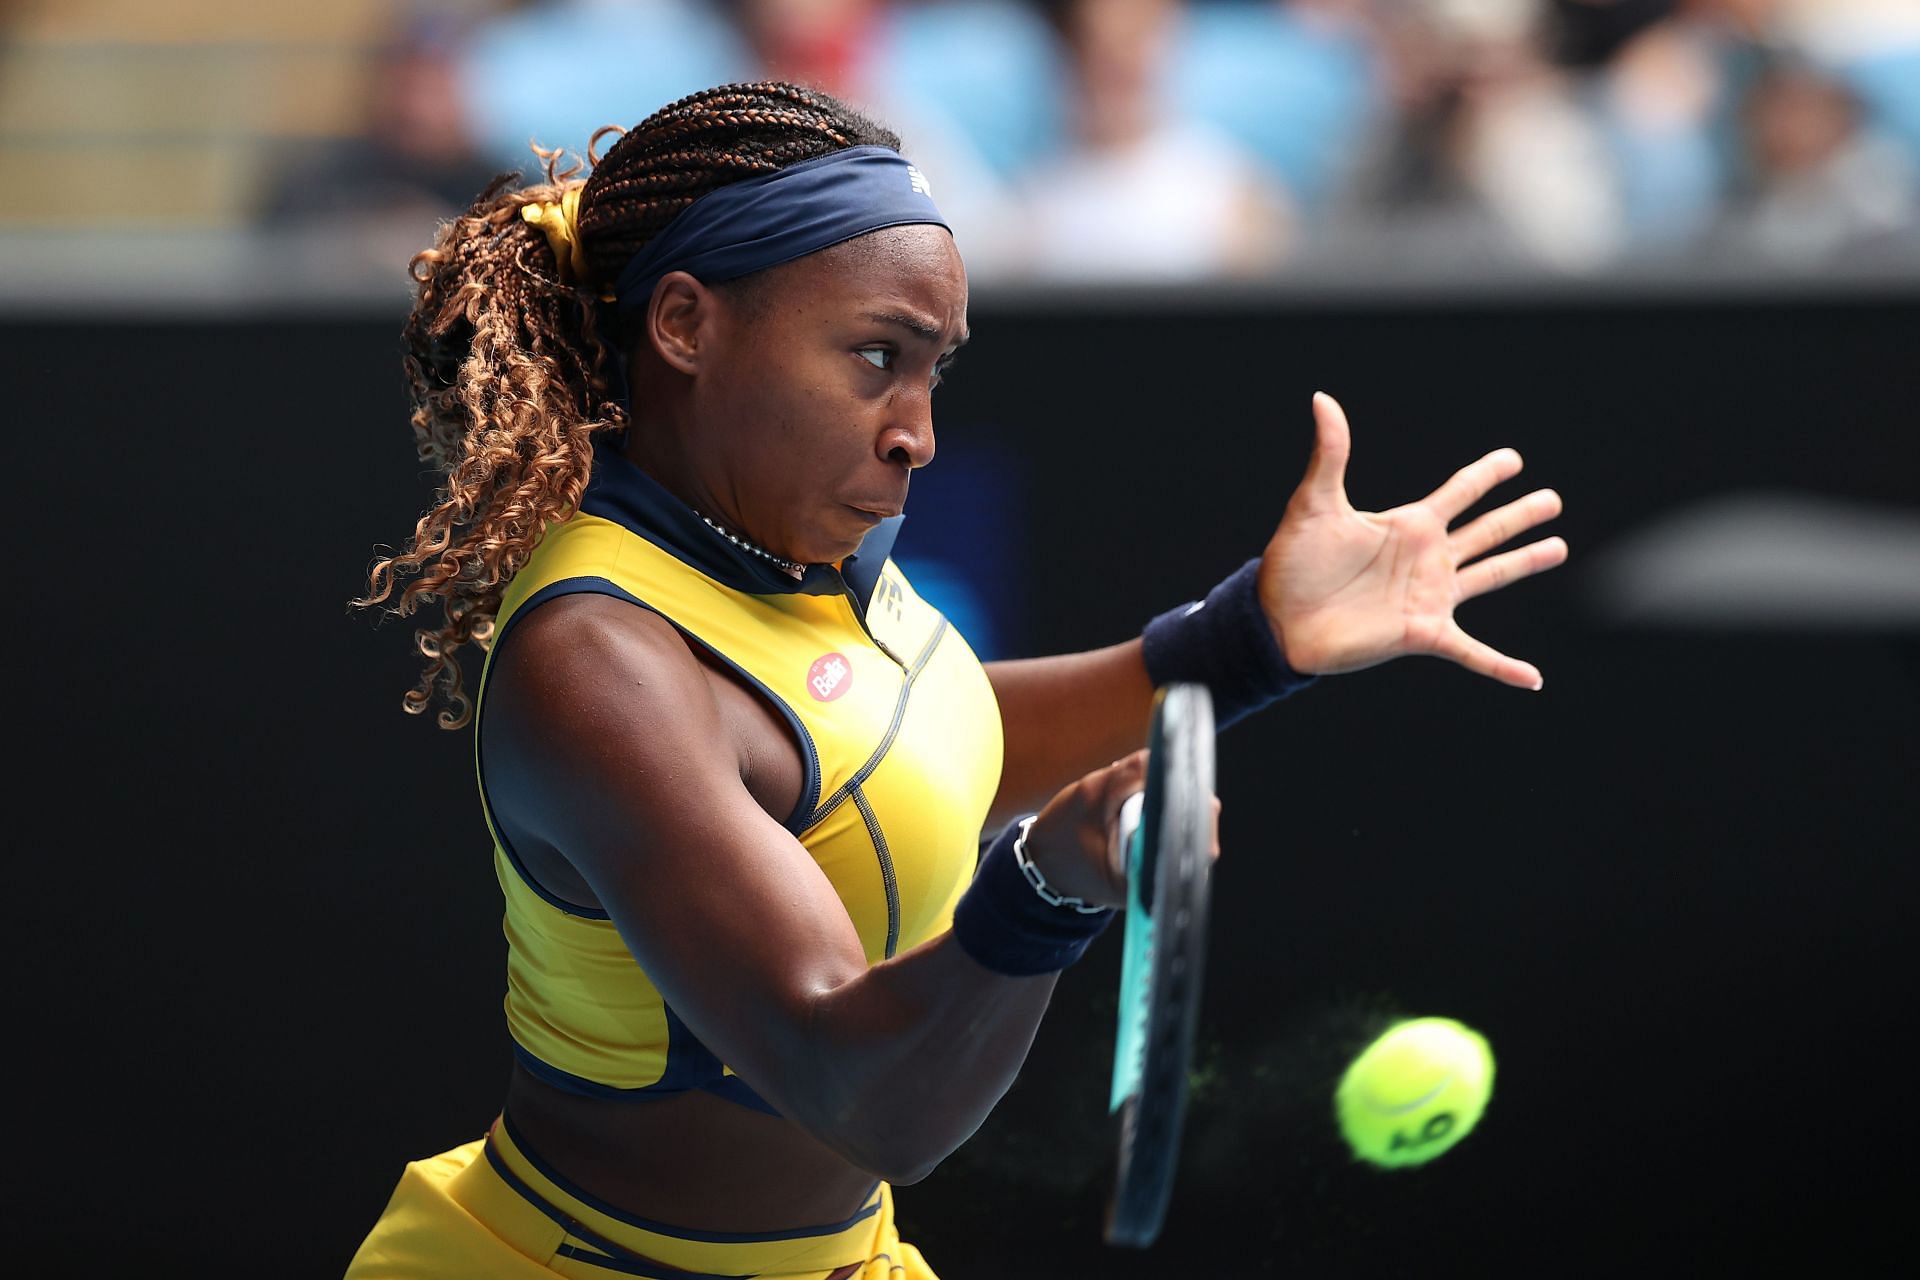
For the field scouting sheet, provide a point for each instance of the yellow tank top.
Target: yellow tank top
(896, 724)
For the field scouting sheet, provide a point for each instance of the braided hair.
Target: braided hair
(511, 374)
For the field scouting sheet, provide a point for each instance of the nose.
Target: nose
(908, 437)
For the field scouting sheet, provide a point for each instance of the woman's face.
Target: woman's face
(813, 402)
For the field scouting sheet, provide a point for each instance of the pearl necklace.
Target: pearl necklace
(793, 569)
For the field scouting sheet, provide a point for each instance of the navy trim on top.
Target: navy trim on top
(861, 570)
(480, 758)
(737, 1091)
(721, 1085)
(870, 1204)
(619, 491)
(689, 1062)
(691, 1065)
(796, 822)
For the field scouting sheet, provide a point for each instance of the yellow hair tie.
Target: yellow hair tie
(561, 222)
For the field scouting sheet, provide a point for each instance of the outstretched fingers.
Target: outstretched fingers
(1483, 659)
(1486, 532)
(1509, 566)
(1473, 482)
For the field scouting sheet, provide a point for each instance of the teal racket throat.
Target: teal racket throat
(1136, 969)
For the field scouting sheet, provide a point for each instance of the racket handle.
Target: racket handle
(1125, 827)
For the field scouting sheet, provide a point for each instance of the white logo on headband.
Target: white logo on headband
(920, 182)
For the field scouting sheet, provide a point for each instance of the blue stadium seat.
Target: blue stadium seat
(1298, 94)
(554, 73)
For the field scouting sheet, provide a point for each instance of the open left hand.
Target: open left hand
(1347, 589)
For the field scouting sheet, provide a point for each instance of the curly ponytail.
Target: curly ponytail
(511, 372)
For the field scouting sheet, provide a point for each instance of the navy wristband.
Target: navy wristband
(1006, 926)
(1226, 643)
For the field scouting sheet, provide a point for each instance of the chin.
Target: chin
(840, 534)
(833, 550)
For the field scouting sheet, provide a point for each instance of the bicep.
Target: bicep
(607, 722)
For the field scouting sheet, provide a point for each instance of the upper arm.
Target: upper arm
(605, 742)
(1064, 716)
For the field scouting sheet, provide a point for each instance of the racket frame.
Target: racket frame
(1165, 935)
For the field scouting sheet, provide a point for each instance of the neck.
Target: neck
(655, 451)
(792, 568)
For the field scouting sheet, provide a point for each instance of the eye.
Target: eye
(878, 357)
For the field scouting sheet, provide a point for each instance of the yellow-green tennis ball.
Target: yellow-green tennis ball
(1414, 1092)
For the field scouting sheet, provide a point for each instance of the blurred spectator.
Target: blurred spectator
(1817, 182)
(1155, 140)
(1296, 82)
(1874, 47)
(1138, 190)
(1489, 154)
(820, 42)
(1657, 90)
(1589, 33)
(554, 71)
(1718, 144)
(988, 68)
(412, 163)
(899, 62)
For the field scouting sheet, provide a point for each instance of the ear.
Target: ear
(681, 321)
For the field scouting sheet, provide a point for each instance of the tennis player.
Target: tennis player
(737, 772)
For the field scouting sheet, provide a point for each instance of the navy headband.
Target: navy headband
(776, 217)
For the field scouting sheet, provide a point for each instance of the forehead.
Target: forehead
(917, 265)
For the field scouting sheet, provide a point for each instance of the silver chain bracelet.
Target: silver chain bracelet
(1047, 892)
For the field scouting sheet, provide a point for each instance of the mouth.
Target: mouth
(871, 515)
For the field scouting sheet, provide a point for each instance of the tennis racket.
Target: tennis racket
(1165, 836)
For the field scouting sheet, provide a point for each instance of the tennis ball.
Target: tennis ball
(1414, 1092)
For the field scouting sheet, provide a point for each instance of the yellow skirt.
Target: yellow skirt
(491, 1210)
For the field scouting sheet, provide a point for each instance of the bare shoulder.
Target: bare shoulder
(598, 717)
(583, 658)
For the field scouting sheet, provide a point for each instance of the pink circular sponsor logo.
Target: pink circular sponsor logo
(830, 676)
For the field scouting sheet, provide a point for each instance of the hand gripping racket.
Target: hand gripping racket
(1165, 835)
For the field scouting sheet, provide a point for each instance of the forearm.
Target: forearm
(1065, 716)
(904, 1061)
(901, 1065)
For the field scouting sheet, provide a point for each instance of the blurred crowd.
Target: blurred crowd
(1161, 140)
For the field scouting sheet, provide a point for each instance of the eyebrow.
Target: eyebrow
(918, 326)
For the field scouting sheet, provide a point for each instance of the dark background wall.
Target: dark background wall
(255, 956)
